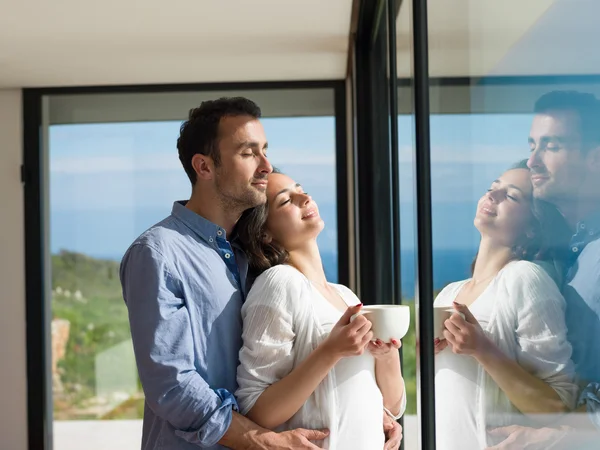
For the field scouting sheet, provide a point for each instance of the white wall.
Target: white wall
(13, 387)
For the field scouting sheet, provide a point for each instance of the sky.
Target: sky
(109, 182)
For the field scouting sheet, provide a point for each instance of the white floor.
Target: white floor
(125, 434)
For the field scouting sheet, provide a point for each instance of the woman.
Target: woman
(506, 359)
(305, 363)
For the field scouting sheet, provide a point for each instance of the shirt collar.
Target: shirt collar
(201, 226)
(587, 230)
(590, 225)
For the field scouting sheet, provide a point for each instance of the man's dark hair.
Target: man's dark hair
(587, 107)
(200, 133)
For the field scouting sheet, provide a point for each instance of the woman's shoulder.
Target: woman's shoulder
(527, 282)
(448, 293)
(281, 280)
(526, 272)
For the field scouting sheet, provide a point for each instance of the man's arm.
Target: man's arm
(164, 350)
(243, 434)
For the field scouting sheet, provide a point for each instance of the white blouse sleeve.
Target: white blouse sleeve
(541, 329)
(267, 353)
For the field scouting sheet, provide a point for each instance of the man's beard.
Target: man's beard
(248, 198)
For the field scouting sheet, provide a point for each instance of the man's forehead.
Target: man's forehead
(238, 127)
(556, 123)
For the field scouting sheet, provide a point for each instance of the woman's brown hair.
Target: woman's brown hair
(250, 232)
(548, 237)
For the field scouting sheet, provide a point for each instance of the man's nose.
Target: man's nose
(534, 159)
(265, 166)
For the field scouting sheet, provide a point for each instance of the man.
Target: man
(565, 170)
(183, 282)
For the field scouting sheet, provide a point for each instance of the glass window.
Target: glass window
(514, 115)
(108, 182)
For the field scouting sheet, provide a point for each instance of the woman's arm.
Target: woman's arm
(280, 401)
(388, 375)
(528, 393)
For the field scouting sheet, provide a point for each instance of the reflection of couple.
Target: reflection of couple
(508, 371)
(308, 377)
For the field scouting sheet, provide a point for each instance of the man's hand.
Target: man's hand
(393, 433)
(243, 434)
(516, 437)
(299, 438)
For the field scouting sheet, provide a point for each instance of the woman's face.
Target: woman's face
(293, 215)
(504, 212)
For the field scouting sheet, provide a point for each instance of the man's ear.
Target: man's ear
(204, 166)
(592, 159)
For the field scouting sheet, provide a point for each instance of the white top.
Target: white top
(522, 311)
(285, 319)
(456, 382)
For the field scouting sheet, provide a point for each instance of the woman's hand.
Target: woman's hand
(349, 337)
(381, 350)
(439, 345)
(465, 336)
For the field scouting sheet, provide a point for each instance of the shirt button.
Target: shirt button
(591, 233)
(575, 249)
(582, 226)
(219, 232)
(210, 239)
(227, 255)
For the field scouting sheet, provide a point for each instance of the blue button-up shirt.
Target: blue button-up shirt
(182, 284)
(582, 295)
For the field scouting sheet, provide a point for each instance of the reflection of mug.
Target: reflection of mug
(440, 315)
(388, 321)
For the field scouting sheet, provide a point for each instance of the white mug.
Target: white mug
(440, 315)
(388, 321)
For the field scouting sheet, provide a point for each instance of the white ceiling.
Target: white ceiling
(470, 38)
(78, 42)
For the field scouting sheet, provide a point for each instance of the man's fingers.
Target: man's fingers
(503, 431)
(313, 435)
(506, 444)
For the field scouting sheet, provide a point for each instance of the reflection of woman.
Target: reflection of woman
(508, 360)
(303, 363)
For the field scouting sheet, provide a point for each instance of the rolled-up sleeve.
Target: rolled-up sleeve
(590, 397)
(267, 355)
(542, 331)
(164, 350)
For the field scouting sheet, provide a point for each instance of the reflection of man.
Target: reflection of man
(565, 170)
(183, 282)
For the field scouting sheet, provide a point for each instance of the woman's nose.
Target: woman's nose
(493, 196)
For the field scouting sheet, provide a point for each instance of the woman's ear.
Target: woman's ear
(266, 238)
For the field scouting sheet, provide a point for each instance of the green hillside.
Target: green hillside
(87, 293)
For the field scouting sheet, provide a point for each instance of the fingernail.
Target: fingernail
(436, 341)
(394, 341)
